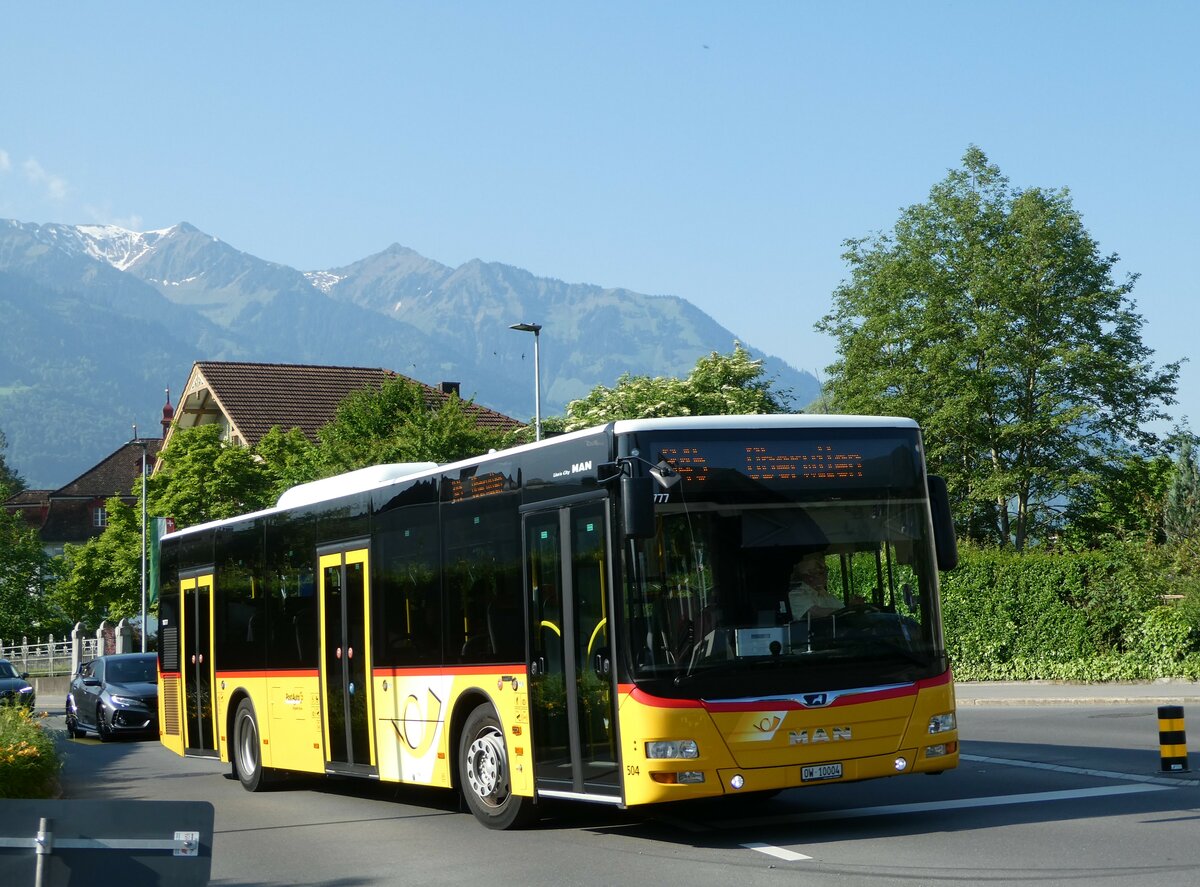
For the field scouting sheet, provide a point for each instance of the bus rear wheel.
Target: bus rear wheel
(483, 773)
(247, 749)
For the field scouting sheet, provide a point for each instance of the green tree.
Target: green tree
(1123, 501)
(10, 481)
(394, 424)
(288, 458)
(719, 385)
(102, 577)
(1182, 501)
(27, 573)
(204, 477)
(989, 315)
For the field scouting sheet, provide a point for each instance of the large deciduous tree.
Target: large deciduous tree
(393, 424)
(989, 315)
(719, 384)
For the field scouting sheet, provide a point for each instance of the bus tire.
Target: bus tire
(246, 753)
(483, 773)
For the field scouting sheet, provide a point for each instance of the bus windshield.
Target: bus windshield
(728, 602)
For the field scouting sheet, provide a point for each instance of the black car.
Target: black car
(114, 695)
(14, 689)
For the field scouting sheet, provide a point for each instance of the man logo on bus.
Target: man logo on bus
(833, 734)
(815, 700)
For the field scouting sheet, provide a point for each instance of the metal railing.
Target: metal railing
(47, 658)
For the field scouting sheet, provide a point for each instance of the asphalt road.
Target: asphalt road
(1048, 795)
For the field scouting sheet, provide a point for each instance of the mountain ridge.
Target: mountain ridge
(171, 296)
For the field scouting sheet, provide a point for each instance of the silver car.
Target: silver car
(115, 695)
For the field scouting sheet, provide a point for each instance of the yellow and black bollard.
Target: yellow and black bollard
(1172, 739)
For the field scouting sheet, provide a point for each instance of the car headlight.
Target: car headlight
(125, 700)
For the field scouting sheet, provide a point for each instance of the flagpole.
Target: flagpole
(143, 446)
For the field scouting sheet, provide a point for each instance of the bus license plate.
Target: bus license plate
(821, 771)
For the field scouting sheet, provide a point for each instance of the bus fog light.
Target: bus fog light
(942, 723)
(672, 748)
(935, 751)
(901, 765)
(737, 782)
(691, 777)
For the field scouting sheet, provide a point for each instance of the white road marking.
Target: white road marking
(777, 852)
(1170, 781)
(939, 806)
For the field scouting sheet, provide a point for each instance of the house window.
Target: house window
(100, 516)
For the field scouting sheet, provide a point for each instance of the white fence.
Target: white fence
(50, 657)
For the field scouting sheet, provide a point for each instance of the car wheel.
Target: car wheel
(483, 773)
(72, 722)
(103, 730)
(247, 750)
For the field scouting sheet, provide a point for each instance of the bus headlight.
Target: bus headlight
(672, 748)
(943, 723)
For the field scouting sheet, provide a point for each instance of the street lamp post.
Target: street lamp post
(142, 444)
(534, 328)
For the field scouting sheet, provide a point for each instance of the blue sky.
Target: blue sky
(716, 151)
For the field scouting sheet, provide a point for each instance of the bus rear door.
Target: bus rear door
(195, 618)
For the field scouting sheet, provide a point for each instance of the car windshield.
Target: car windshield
(7, 670)
(131, 671)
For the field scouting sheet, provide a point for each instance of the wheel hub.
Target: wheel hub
(486, 771)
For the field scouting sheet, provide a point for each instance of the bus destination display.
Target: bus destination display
(791, 463)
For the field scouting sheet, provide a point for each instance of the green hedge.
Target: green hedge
(1084, 616)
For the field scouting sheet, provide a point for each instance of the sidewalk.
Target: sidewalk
(1166, 692)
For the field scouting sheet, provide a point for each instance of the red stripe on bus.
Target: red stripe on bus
(850, 698)
(268, 673)
(447, 671)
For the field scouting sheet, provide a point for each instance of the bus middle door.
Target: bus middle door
(570, 671)
(347, 708)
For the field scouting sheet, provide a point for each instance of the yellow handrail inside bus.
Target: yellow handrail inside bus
(596, 631)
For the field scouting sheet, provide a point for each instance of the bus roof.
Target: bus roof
(783, 420)
(372, 477)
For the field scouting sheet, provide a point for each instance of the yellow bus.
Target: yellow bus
(647, 611)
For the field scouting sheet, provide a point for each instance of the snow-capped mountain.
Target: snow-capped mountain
(99, 320)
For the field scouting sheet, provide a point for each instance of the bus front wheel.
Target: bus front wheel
(483, 773)
(247, 749)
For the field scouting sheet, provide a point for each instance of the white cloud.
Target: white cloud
(56, 186)
(5, 162)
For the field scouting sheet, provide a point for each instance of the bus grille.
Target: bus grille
(170, 690)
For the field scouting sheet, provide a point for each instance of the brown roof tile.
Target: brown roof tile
(259, 396)
(113, 476)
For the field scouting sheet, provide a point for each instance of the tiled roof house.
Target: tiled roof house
(78, 511)
(249, 399)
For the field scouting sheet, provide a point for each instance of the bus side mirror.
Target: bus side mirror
(944, 541)
(637, 507)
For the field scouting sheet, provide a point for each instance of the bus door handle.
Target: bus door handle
(602, 664)
(538, 666)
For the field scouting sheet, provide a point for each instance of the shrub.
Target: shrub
(1096, 615)
(29, 764)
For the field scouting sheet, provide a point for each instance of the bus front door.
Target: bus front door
(570, 669)
(346, 704)
(195, 620)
